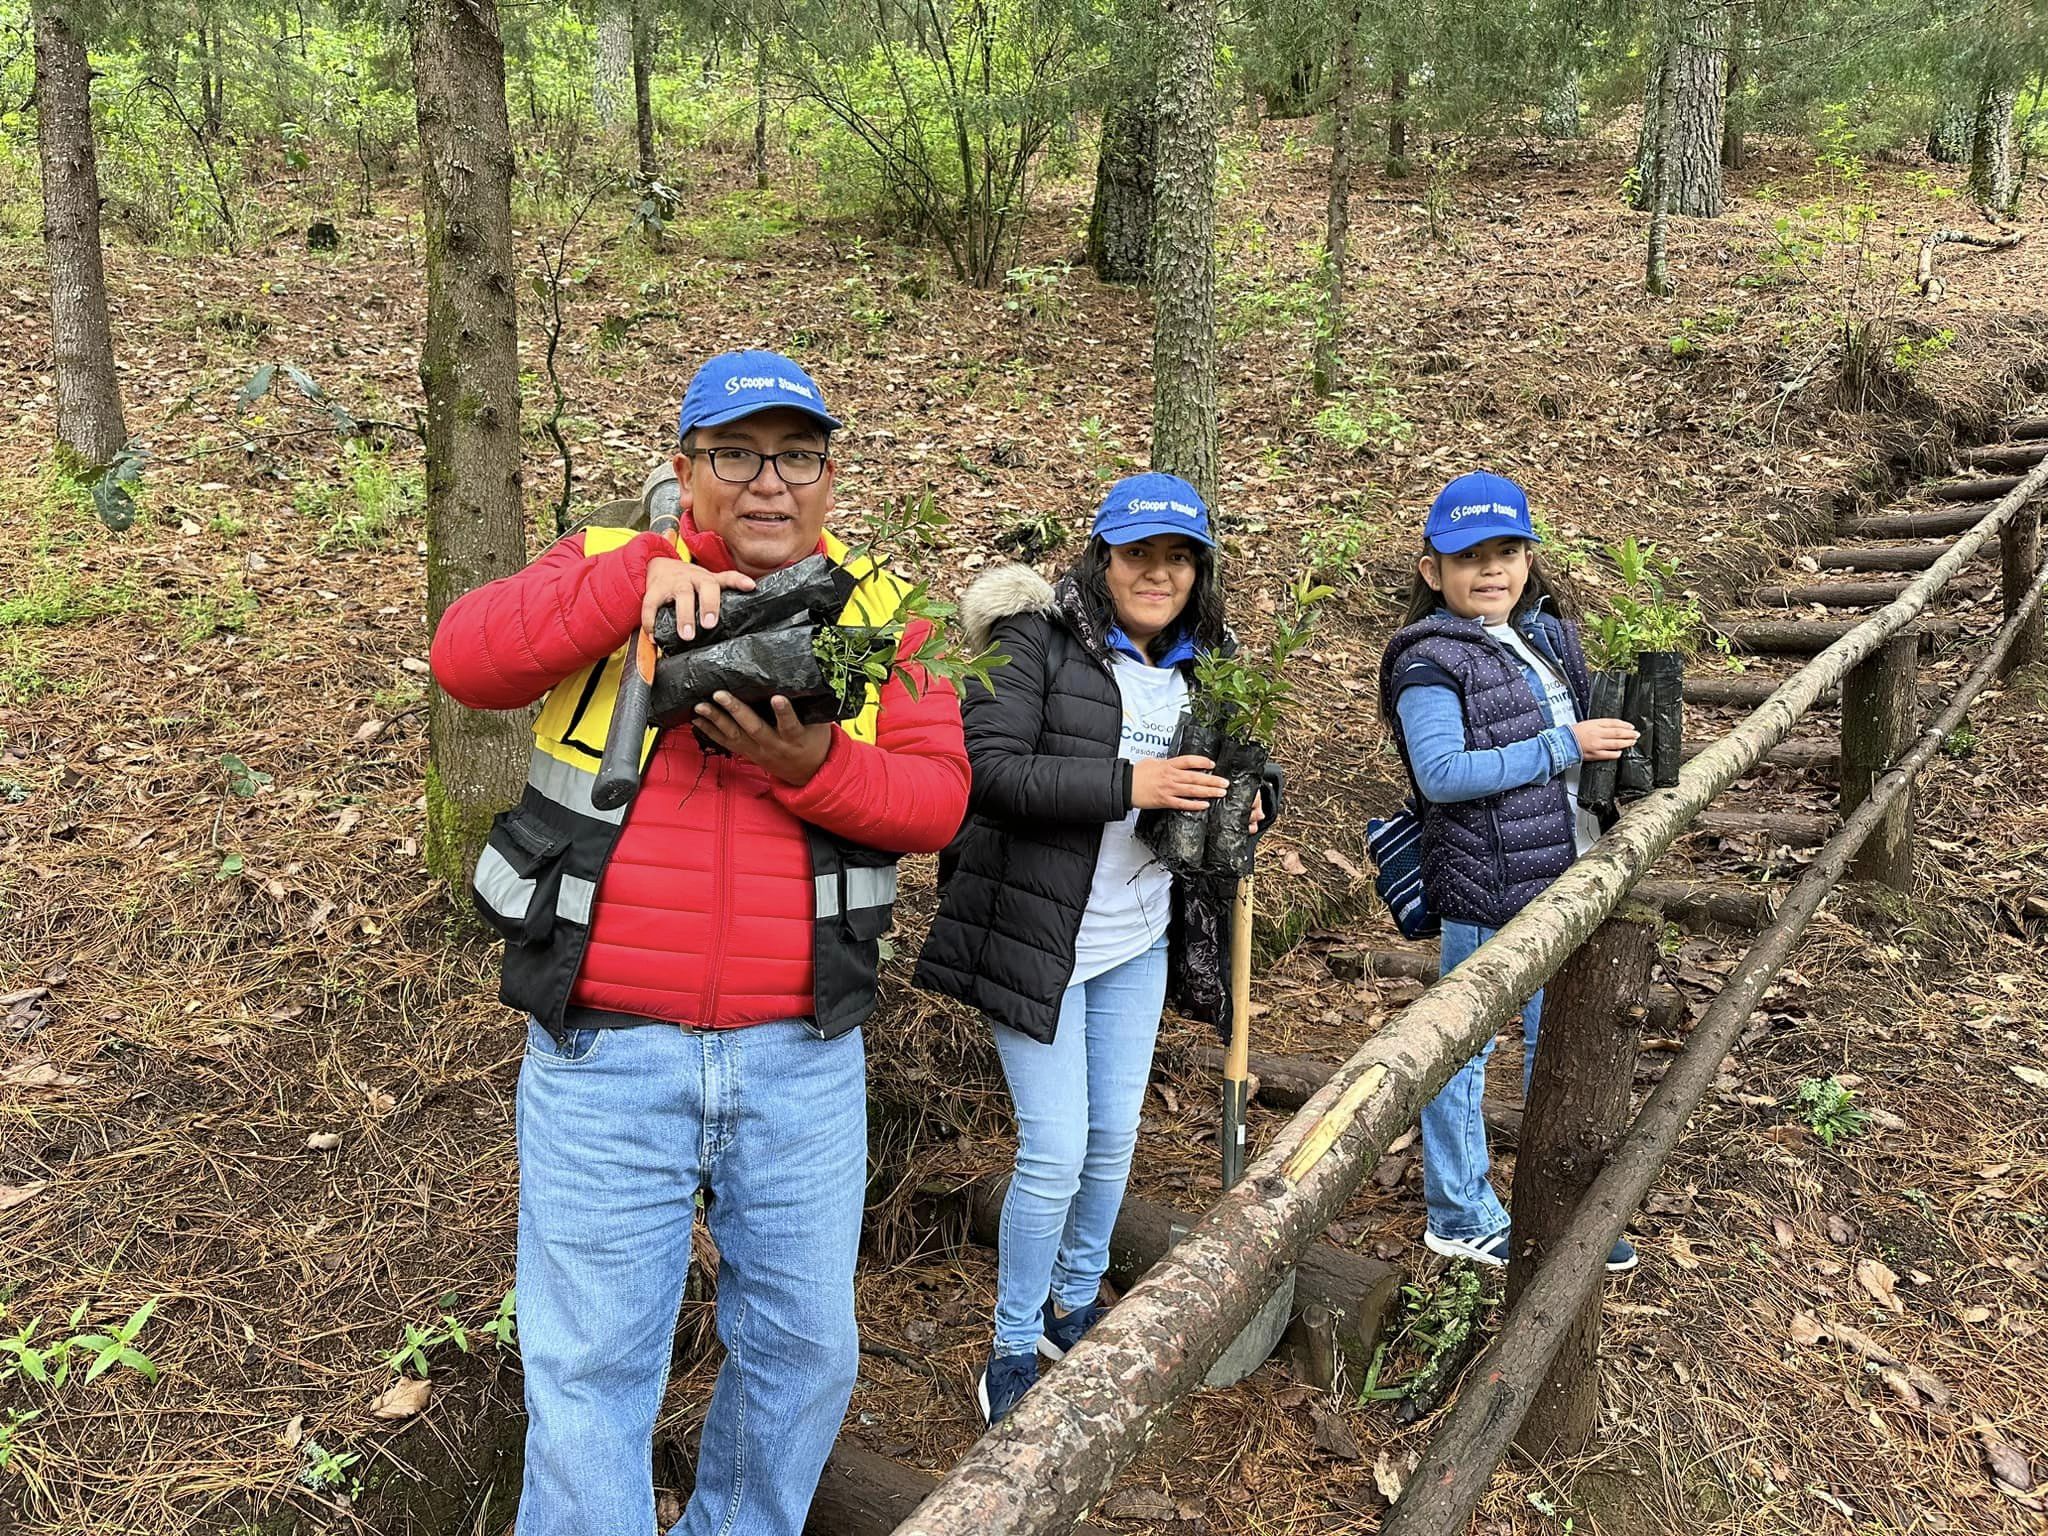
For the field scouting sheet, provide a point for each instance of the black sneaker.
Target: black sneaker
(1063, 1333)
(1007, 1378)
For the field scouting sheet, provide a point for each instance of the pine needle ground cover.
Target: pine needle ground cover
(251, 1071)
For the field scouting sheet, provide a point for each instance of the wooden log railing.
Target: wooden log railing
(1042, 1468)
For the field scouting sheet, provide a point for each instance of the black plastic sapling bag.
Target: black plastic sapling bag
(1632, 776)
(1231, 840)
(1597, 781)
(753, 669)
(1180, 839)
(1663, 674)
(813, 591)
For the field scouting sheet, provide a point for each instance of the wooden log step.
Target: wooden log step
(1744, 692)
(1698, 903)
(2027, 427)
(1392, 964)
(1355, 1289)
(1809, 637)
(1781, 827)
(1886, 557)
(863, 1494)
(1911, 525)
(1840, 594)
(1981, 488)
(1667, 1008)
(1799, 754)
(1288, 1082)
(2024, 455)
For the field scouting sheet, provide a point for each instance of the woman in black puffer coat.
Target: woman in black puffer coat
(1054, 918)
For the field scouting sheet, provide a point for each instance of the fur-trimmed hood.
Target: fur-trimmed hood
(1002, 593)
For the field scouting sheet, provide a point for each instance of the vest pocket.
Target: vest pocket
(518, 881)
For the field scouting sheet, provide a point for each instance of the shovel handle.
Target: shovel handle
(618, 775)
(1237, 1060)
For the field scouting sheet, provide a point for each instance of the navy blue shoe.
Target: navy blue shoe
(1063, 1333)
(1007, 1378)
(1621, 1258)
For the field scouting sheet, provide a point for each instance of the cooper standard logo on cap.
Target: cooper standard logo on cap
(746, 381)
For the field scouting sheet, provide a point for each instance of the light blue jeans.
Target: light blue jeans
(1077, 1103)
(1455, 1165)
(617, 1133)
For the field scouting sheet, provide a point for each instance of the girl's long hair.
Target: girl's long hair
(1423, 599)
(1201, 620)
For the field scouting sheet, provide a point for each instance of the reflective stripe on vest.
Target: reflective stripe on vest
(501, 887)
(864, 888)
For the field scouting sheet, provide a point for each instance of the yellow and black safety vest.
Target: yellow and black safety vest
(537, 878)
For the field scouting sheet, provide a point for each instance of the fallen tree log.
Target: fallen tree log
(2027, 427)
(1976, 488)
(1909, 525)
(1809, 637)
(1743, 692)
(2023, 455)
(1288, 1082)
(1930, 284)
(1353, 1288)
(860, 1493)
(1798, 754)
(1884, 557)
(1841, 594)
(1042, 1468)
(1709, 901)
(1780, 827)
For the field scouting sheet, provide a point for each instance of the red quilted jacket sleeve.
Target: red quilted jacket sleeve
(905, 793)
(508, 642)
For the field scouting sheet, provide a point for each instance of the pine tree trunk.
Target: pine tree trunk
(1120, 223)
(1991, 179)
(761, 112)
(1733, 149)
(1693, 91)
(1563, 114)
(1184, 249)
(643, 75)
(612, 84)
(212, 89)
(469, 370)
(1397, 120)
(1337, 232)
(88, 396)
(1657, 188)
(1948, 139)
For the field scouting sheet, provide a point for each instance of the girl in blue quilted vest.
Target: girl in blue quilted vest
(1484, 688)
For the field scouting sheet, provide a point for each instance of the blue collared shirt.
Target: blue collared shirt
(1183, 648)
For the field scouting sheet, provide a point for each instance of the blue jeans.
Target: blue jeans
(617, 1133)
(1455, 1186)
(1077, 1105)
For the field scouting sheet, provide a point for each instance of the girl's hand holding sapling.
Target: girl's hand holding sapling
(1602, 741)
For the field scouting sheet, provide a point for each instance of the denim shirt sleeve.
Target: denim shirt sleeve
(1433, 727)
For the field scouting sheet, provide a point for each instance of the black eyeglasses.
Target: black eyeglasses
(742, 466)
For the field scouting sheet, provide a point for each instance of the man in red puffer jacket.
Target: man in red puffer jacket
(697, 966)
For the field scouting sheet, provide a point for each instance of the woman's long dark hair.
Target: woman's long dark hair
(1423, 599)
(1201, 620)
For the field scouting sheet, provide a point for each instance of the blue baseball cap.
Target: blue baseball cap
(1476, 507)
(1143, 506)
(736, 384)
